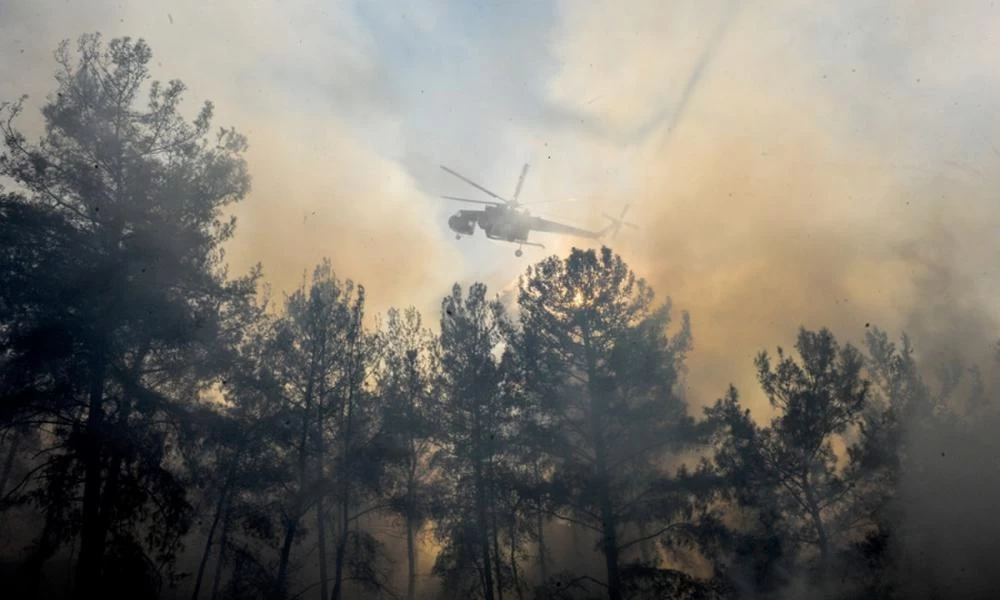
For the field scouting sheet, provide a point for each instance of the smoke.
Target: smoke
(832, 167)
(302, 81)
(835, 166)
(789, 163)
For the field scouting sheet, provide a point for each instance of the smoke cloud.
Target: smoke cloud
(833, 166)
(302, 81)
(830, 167)
(789, 163)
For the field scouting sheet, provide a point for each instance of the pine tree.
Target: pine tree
(126, 306)
(789, 468)
(474, 418)
(606, 373)
(407, 382)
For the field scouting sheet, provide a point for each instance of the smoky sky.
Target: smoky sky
(789, 163)
(833, 166)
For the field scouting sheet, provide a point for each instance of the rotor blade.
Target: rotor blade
(619, 220)
(616, 224)
(471, 200)
(472, 183)
(548, 202)
(520, 182)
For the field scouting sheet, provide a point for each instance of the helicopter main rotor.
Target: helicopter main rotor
(513, 202)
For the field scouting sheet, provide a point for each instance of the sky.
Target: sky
(790, 163)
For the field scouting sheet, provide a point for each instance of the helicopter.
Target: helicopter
(505, 220)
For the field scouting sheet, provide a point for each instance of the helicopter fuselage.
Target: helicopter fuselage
(497, 222)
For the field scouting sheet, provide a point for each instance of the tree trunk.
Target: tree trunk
(348, 432)
(320, 506)
(108, 500)
(411, 550)
(484, 533)
(91, 535)
(515, 574)
(291, 526)
(543, 571)
(238, 567)
(497, 556)
(609, 525)
(609, 543)
(817, 522)
(292, 521)
(345, 530)
(220, 507)
(223, 542)
(8, 465)
(413, 460)
(321, 542)
(481, 509)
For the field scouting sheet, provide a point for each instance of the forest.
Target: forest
(170, 430)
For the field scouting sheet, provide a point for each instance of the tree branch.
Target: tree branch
(572, 520)
(658, 533)
(368, 510)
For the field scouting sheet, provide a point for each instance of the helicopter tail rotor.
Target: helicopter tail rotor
(616, 224)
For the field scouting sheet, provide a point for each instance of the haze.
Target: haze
(790, 163)
(827, 163)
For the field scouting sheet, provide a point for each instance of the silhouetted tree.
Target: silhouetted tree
(362, 454)
(919, 456)
(790, 466)
(313, 333)
(606, 373)
(127, 298)
(243, 444)
(473, 418)
(407, 380)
